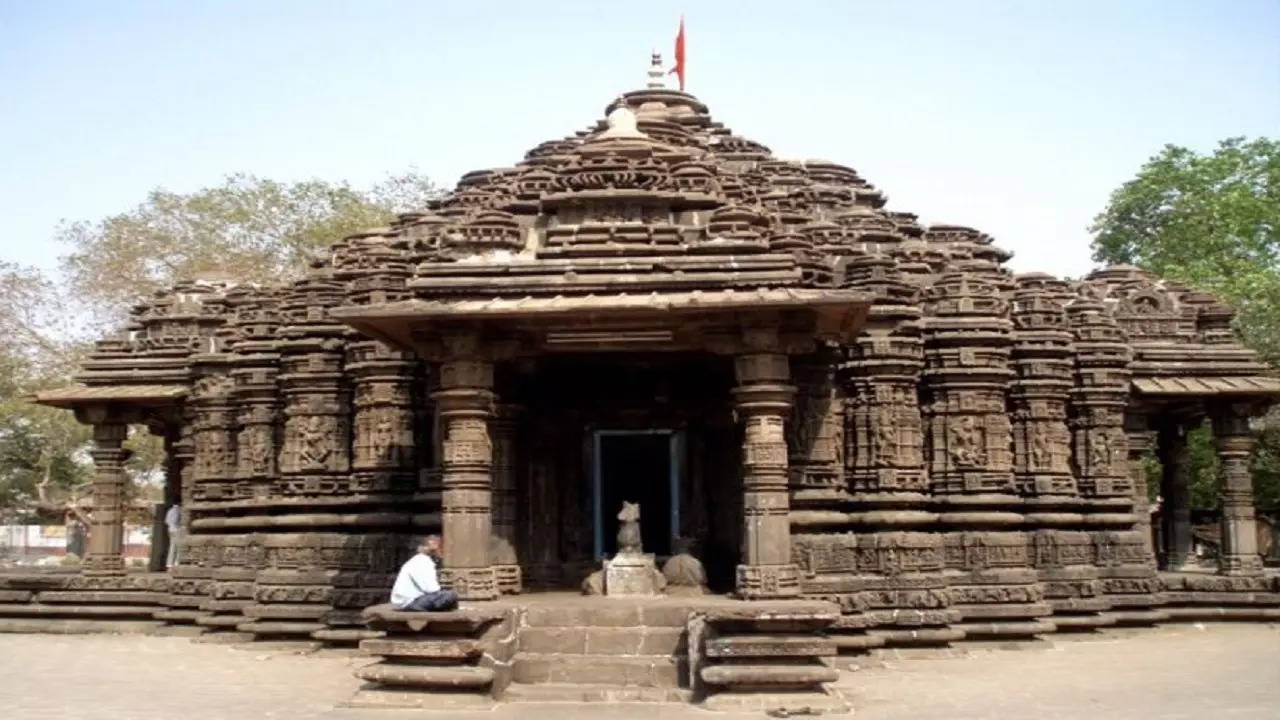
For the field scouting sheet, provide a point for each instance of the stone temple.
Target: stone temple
(872, 433)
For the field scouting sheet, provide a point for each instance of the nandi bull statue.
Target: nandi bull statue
(632, 571)
(629, 528)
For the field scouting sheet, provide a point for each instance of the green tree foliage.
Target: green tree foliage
(42, 462)
(1211, 221)
(248, 228)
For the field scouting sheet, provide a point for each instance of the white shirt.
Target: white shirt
(417, 576)
(173, 518)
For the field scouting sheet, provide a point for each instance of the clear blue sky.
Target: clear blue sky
(1016, 117)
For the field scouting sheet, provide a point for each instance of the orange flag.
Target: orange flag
(679, 68)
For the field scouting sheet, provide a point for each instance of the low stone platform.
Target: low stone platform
(62, 601)
(444, 659)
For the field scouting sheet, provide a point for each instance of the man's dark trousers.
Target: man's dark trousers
(433, 601)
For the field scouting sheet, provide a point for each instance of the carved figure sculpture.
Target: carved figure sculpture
(629, 530)
(315, 444)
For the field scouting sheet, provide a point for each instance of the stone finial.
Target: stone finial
(657, 76)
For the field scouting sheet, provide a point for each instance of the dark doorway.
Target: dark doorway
(639, 466)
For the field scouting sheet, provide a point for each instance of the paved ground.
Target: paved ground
(1218, 671)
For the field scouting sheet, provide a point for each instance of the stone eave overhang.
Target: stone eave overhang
(77, 396)
(635, 319)
(1212, 385)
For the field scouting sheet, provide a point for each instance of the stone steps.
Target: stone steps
(609, 641)
(651, 671)
(612, 613)
(586, 692)
(94, 611)
(74, 626)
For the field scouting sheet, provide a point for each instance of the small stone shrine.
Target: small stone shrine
(874, 432)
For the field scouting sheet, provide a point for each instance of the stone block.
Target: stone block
(613, 641)
(758, 675)
(756, 646)
(414, 647)
(553, 639)
(426, 676)
(664, 615)
(631, 574)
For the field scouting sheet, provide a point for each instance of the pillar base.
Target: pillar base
(471, 583)
(759, 582)
(1240, 565)
(103, 565)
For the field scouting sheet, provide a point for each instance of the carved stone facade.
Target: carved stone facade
(860, 409)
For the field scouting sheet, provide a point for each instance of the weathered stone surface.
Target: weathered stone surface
(756, 675)
(756, 646)
(439, 648)
(427, 676)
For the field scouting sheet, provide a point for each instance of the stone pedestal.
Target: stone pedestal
(631, 574)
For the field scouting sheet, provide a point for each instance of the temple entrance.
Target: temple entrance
(638, 466)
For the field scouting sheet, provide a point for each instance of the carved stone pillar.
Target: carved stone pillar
(1176, 491)
(1141, 440)
(106, 535)
(1239, 552)
(762, 401)
(464, 403)
(503, 543)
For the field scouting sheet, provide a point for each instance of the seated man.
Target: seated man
(417, 588)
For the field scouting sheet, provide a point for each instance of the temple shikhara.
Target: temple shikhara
(840, 429)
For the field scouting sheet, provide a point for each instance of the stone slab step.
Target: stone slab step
(777, 702)
(632, 670)
(1186, 614)
(280, 627)
(119, 597)
(346, 635)
(71, 626)
(15, 596)
(219, 621)
(761, 675)
(455, 648)
(222, 637)
(427, 676)
(1001, 630)
(179, 615)
(914, 637)
(607, 614)
(660, 640)
(41, 610)
(1070, 623)
(854, 643)
(581, 692)
(1140, 617)
(285, 612)
(180, 631)
(753, 646)
(415, 699)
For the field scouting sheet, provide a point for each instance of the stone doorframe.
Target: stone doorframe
(675, 476)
